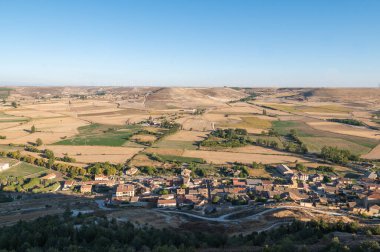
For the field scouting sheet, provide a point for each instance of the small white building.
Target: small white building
(169, 203)
(100, 177)
(125, 191)
(4, 166)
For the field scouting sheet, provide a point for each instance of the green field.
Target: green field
(172, 158)
(316, 139)
(24, 170)
(315, 144)
(101, 135)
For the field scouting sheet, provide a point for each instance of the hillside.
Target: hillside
(192, 97)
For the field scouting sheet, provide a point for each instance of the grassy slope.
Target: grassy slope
(23, 169)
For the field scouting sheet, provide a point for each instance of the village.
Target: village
(210, 195)
(199, 152)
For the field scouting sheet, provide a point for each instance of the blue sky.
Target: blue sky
(190, 42)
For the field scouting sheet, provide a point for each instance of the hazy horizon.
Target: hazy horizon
(189, 86)
(190, 43)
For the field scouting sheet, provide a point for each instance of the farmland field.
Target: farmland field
(184, 159)
(374, 154)
(175, 144)
(114, 128)
(360, 144)
(250, 122)
(97, 134)
(90, 154)
(303, 108)
(222, 157)
(24, 170)
(315, 144)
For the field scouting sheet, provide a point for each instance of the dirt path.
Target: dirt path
(254, 216)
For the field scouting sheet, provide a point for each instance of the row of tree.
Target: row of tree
(90, 233)
(338, 156)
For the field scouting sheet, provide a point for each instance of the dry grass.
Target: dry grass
(89, 154)
(185, 135)
(144, 138)
(50, 130)
(144, 160)
(238, 108)
(195, 123)
(374, 154)
(345, 129)
(222, 157)
(257, 150)
(163, 151)
(250, 123)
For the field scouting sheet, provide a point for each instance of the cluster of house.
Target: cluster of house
(89, 186)
(360, 196)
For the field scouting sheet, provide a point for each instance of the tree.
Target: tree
(164, 192)
(301, 167)
(33, 129)
(14, 104)
(50, 163)
(49, 154)
(39, 142)
(216, 199)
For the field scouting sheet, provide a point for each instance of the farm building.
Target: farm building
(100, 177)
(86, 188)
(166, 203)
(49, 176)
(68, 184)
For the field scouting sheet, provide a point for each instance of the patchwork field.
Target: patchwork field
(91, 127)
(345, 129)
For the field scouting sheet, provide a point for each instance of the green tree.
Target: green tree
(216, 199)
(39, 142)
(164, 192)
(33, 129)
(49, 154)
(14, 104)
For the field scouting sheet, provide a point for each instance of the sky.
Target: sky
(253, 43)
